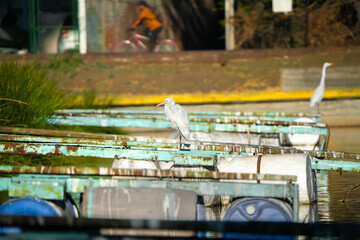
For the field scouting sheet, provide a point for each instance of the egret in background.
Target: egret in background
(319, 91)
(178, 117)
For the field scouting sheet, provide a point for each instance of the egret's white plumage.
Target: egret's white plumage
(178, 117)
(319, 91)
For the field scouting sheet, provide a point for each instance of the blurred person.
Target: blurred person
(154, 26)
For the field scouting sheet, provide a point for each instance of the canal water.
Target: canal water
(331, 205)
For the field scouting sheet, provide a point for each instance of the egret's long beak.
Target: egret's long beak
(331, 64)
(162, 103)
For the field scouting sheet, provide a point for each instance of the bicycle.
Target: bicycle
(136, 45)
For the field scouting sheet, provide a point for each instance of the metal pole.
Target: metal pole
(229, 26)
(306, 24)
(32, 26)
(82, 26)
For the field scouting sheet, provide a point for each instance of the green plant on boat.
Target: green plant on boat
(54, 160)
(89, 129)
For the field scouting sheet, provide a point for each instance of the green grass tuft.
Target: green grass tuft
(65, 63)
(27, 96)
(30, 93)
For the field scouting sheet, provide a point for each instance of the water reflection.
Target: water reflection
(339, 185)
(331, 194)
(344, 139)
(323, 196)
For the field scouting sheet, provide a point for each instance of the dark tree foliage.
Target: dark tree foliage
(197, 23)
(311, 23)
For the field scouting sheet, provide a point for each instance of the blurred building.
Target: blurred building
(94, 26)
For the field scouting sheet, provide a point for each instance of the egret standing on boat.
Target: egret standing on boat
(319, 91)
(178, 117)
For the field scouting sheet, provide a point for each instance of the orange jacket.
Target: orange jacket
(150, 19)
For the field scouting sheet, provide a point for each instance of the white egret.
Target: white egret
(178, 117)
(319, 91)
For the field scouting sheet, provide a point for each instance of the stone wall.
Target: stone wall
(337, 77)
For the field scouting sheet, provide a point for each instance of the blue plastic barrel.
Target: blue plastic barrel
(260, 210)
(68, 205)
(28, 206)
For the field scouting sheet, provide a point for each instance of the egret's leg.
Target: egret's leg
(318, 108)
(180, 141)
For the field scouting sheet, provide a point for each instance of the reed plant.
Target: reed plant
(27, 95)
(30, 94)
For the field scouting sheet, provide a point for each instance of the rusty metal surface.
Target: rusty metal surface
(191, 113)
(178, 157)
(46, 189)
(123, 141)
(185, 158)
(92, 171)
(55, 133)
(204, 126)
(53, 182)
(78, 184)
(50, 136)
(256, 119)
